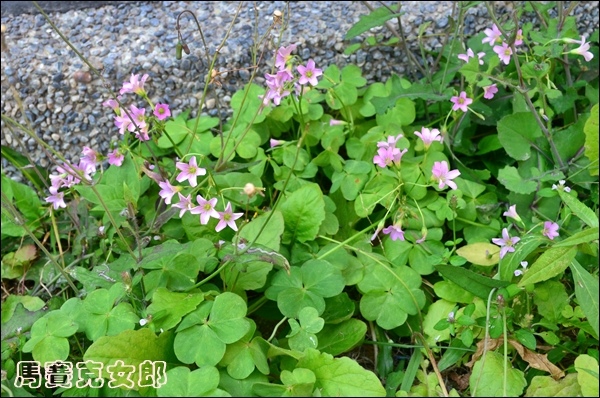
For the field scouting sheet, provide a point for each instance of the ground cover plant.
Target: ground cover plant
(431, 234)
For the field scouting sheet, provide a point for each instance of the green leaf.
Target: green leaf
(377, 17)
(551, 263)
(586, 290)
(297, 383)
(526, 338)
(303, 213)
(303, 335)
(270, 236)
(550, 297)
(342, 337)
(450, 291)
(579, 209)
(168, 307)
(340, 376)
(587, 375)
(586, 236)
(390, 294)
(9, 305)
(487, 378)
(242, 357)
(546, 386)
(130, 348)
(479, 285)
(183, 382)
(480, 253)
(49, 334)
(512, 261)
(305, 286)
(516, 132)
(509, 177)
(591, 140)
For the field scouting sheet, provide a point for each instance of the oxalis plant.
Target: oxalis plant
(433, 234)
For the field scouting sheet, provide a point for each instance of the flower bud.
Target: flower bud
(178, 49)
(186, 49)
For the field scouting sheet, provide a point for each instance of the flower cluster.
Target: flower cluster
(134, 120)
(69, 175)
(280, 84)
(494, 38)
(388, 154)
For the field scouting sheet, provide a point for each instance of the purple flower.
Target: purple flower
(273, 142)
(206, 209)
(490, 91)
(112, 103)
(167, 191)
(550, 230)
(335, 122)
(391, 141)
(506, 243)
(443, 176)
(492, 35)
(284, 54)
(428, 136)
(512, 213)
(519, 37)
(388, 155)
(185, 204)
(504, 52)
(583, 49)
(308, 73)
(226, 218)
(394, 231)
(56, 198)
(88, 160)
(116, 158)
(162, 111)
(461, 102)
(134, 85)
(190, 171)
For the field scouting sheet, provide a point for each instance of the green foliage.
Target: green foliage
(348, 238)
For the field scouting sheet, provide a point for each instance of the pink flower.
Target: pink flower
(134, 85)
(428, 136)
(512, 213)
(492, 35)
(583, 49)
(394, 231)
(168, 191)
(284, 54)
(273, 142)
(388, 155)
(506, 243)
(470, 54)
(519, 37)
(504, 52)
(122, 121)
(226, 218)
(190, 171)
(277, 87)
(162, 111)
(308, 73)
(56, 198)
(391, 141)
(112, 103)
(116, 158)
(185, 204)
(138, 124)
(443, 176)
(550, 230)
(335, 122)
(461, 102)
(206, 209)
(88, 160)
(490, 91)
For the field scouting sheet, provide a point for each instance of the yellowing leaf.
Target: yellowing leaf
(480, 253)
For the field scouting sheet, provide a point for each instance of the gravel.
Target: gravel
(62, 99)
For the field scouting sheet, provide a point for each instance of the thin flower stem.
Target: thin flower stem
(17, 216)
(276, 327)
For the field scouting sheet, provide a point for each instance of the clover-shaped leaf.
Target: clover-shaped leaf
(390, 294)
(298, 383)
(183, 382)
(305, 286)
(49, 334)
(243, 356)
(203, 334)
(303, 334)
(168, 307)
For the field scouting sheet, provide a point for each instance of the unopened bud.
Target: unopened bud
(250, 189)
(186, 49)
(277, 16)
(178, 49)
(126, 278)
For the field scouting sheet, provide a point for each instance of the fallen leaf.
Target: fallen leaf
(537, 361)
